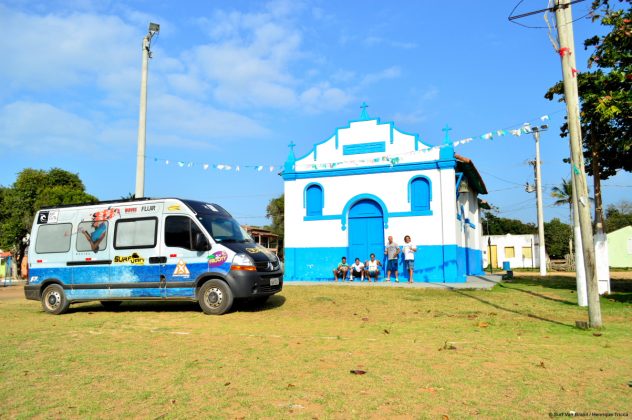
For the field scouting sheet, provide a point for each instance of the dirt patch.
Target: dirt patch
(13, 292)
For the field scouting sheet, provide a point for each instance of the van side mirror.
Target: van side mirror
(201, 243)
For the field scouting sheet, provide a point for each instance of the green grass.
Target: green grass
(512, 351)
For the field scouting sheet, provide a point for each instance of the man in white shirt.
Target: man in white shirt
(409, 257)
(357, 270)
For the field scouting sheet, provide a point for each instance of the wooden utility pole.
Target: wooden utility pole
(564, 32)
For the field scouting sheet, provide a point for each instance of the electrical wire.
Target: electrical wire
(512, 18)
(501, 179)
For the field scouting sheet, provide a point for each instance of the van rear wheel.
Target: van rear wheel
(54, 300)
(215, 297)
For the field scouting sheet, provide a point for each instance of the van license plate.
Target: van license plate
(274, 281)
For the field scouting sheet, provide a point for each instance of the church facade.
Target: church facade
(369, 181)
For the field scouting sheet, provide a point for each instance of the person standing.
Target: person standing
(392, 253)
(409, 257)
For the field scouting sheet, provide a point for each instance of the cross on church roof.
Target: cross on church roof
(364, 115)
(291, 146)
(447, 130)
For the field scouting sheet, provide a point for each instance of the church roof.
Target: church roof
(466, 166)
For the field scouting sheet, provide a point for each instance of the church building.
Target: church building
(369, 181)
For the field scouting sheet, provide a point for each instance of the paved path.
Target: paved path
(473, 282)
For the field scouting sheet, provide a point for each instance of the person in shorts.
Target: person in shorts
(372, 268)
(409, 257)
(341, 270)
(357, 270)
(392, 252)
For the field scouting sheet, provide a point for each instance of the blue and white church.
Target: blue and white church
(369, 181)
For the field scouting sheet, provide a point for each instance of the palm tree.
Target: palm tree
(564, 195)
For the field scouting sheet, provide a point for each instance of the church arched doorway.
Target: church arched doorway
(366, 231)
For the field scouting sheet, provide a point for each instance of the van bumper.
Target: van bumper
(248, 284)
(32, 292)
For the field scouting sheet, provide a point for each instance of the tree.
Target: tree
(618, 216)
(494, 225)
(564, 196)
(556, 236)
(275, 211)
(32, 190)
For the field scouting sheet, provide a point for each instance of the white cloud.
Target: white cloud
(197, 121)
(414, 117)
(376, 41)
(388, 73)
(324, 97)
(422, 112)
(53, 52)
(40, 127)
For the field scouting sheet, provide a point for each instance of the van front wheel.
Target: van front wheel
(215, 297)
(54, 300)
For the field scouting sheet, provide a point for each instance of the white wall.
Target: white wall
(391, 188)
(516, 241)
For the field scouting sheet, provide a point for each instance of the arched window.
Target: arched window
(314, 200)
(420, 194)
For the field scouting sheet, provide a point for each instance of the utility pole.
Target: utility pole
(538, 193)
(154, 28)
(564, 32)
(580, 269)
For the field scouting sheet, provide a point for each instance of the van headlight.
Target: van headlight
(243, 262)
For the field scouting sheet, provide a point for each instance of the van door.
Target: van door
(136, 258)
(91, 260)
(184, 263)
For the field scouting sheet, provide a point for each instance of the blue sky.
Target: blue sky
(233, 82)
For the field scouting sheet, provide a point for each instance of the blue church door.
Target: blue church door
(366, 231)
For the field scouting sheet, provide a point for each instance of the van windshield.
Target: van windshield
(223, 228)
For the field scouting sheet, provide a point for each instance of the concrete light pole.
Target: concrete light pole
(538, 193)
(154, 28)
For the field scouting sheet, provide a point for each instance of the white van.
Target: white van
(161, 249)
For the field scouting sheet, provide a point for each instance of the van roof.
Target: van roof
(198, 207)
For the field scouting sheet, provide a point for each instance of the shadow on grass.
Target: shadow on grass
(273, 302)
(508, 285)
(514, 311)
(620, 290)
(239, 305)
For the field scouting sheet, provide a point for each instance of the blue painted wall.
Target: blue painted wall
(433, 263)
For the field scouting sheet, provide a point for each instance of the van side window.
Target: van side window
(53, 238)
(180, 232)
(136, 233)
(92, 236)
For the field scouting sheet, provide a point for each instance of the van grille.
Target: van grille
(266, 266)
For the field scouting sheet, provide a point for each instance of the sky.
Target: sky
(232, 83)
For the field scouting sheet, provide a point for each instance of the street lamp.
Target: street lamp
(154, 28)
(538, 190)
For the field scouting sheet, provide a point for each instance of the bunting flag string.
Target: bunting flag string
(218, 166)
(390, 160)
(400, 158)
